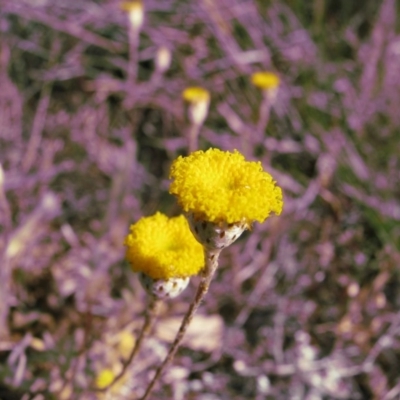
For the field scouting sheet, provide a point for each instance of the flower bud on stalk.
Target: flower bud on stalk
(135, 12)
(222, 195)
(198, 100)
(165, 253)
(268, 82)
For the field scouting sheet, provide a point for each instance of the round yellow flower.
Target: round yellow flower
(163, 248)
(196, 94)
(104, 378)
(221, 186)
(126, 342)
(265, 80)
(132, 5)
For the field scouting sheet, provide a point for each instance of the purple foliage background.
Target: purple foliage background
(305, 306)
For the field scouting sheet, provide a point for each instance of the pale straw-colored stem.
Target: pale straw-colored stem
(263, 117)
(211, 264)
(133, 55)
(31, 153)
(5, 269)
(151, 314)
(193, 136)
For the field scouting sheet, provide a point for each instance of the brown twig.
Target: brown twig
(211, 264)
(151, 314)
(263, 118)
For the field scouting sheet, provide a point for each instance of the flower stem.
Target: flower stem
(193, 136)
(133, 56)
(151, 314)
(211, 264)
(263, 118)
(5, 270)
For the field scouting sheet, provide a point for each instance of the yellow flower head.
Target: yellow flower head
(196, 94)
(133, 5)
(265, 80)
(163, 248)
(126, 342)
(221, 186)
(104, 378)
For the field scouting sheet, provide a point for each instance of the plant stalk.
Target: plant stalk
(211, 264)
(151, 314)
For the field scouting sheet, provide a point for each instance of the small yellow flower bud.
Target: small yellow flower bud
(126, 342)
(199, 101)
(268, 82)
(265, 80)
(104, 378)
(135, 12)
(196, 94)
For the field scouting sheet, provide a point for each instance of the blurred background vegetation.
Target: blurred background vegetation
(305, 306)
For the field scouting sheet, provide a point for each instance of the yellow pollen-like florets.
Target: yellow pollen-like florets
(105, 377)
(196, 94)
(221, 186)
(265, 80)
(163, 248)
(132, 5)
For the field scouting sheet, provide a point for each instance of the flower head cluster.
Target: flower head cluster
(163, 248)
(265, 80)
(222, 187)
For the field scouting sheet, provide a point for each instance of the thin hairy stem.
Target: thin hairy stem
(193, 136)
(211, 264)
(5, 270)
(151, 314)
(263, 118)
(133, 55)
